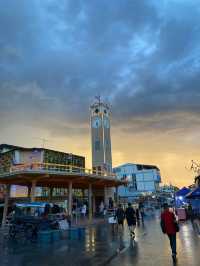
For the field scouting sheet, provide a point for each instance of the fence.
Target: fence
(58, 168)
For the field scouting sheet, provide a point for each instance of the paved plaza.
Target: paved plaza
(102, 246)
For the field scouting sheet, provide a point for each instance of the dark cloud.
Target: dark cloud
(165, 123)
(141, 56)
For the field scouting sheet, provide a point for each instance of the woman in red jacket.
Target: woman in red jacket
(170, 227)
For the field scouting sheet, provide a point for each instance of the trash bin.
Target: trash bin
(181, 214)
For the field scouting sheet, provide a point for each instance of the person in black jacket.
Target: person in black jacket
(120, 215)
(131, 219)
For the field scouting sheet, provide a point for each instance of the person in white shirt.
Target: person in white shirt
(84, 210)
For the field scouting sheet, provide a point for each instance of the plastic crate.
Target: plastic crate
(81, 232)
(55, 235)
(73, 234)
(44, 237)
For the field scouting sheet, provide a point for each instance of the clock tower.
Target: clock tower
(100, 133)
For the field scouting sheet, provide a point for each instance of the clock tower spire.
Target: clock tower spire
(100, 133)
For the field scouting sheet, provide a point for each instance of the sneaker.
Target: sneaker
(132, 235)
(174, 258)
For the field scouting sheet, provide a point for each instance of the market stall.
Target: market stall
(30, 221)
(194, 198)
(180, 197)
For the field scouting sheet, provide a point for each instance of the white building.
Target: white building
(141, 178)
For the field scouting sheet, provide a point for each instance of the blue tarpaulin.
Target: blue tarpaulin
(180, 197)
(182, 192)
(194, 194)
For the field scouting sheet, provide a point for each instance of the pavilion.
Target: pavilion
(52, 176)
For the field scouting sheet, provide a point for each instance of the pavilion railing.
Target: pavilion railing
(59, 168)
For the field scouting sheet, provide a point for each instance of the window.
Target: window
(139, 167)
(134, 181)
(97, 145)
(117, 170)
(124, 177)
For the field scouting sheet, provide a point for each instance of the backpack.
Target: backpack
(120, 215)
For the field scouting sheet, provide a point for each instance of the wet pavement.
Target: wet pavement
(152, 247)
(103, 247)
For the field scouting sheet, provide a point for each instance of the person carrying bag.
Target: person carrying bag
(170, 226)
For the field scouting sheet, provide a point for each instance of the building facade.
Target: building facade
(11, 156)
(141, 178)
(14, 156)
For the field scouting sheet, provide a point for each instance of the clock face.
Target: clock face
(96, 122)
(106, 122)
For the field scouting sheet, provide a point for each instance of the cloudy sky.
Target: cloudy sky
(141, 56)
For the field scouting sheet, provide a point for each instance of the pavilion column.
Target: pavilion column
(33, 189)
(90, 202)
(29, 191)
(50, 193)
(83, 192)
(70, 198)
(93, 204)
(116, 196)
(106, 202)
(5, 209)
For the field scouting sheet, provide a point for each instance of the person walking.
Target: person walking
(84, 210)
(170, 227)
(131, 220)
(190, 213)
(120, 215)
(101, 208)
(141, 209)
(137, 216)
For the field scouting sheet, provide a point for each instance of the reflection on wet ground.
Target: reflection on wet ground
(103, 246)
(152, 247)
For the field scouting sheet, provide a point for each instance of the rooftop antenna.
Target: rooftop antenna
(43, 141)
(106, 103)
(98, 98)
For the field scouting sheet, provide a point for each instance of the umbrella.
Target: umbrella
(194, 194)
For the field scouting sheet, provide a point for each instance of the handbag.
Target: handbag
(162, 225)
(176, 225)
(177, 228)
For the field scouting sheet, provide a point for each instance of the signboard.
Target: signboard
(27, 157)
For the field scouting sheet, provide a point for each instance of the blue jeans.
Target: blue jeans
(172, 239)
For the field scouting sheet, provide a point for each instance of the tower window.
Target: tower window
(97, 145)
(96, 111)
(105, 112)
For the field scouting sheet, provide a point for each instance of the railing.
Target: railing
(59, 168)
